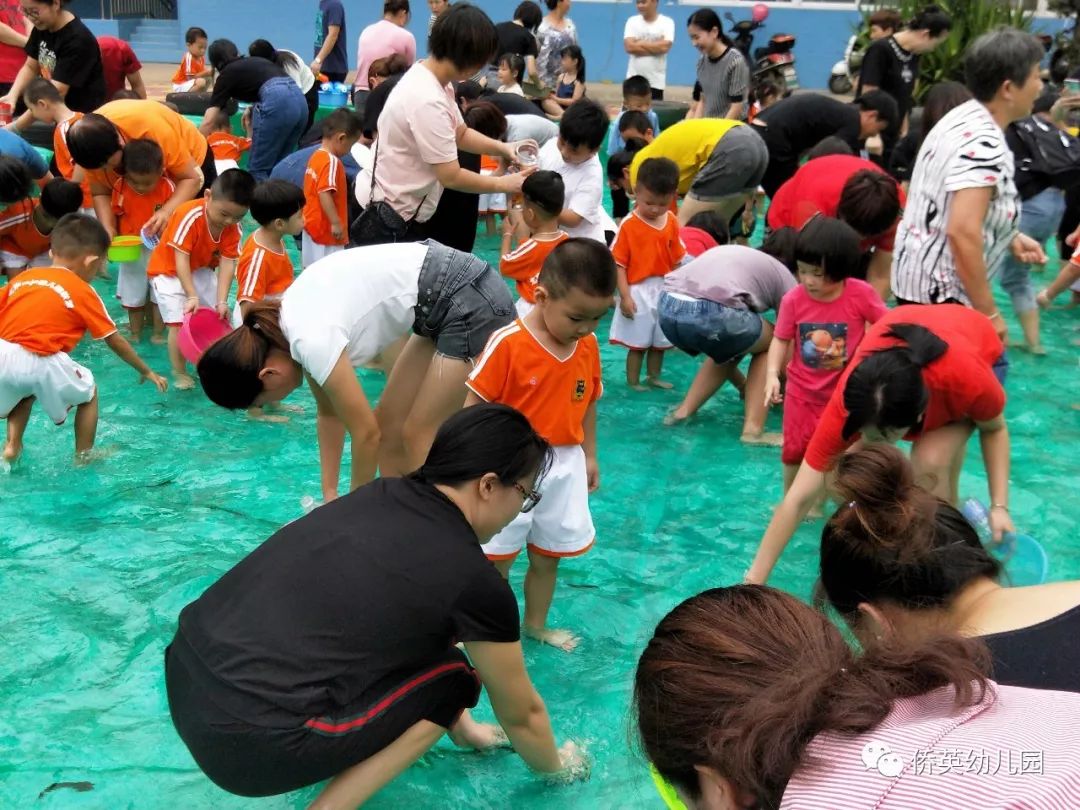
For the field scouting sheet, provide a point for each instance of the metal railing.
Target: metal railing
(153, 9)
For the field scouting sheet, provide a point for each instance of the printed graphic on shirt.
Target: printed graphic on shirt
(823, 345)
(579, 390)
(318, 30)
(47, 59)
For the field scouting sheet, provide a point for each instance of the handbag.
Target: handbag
(379, 223)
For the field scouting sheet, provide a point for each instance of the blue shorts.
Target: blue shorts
(698, 326)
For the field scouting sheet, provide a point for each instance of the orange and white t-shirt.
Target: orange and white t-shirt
(188, 231)
(18, 233)
(190, 68)
(48, 310)
(262, 272)
(324, 173)
(523, 265)
(554, 393)
(646, 250)
(64, 162)
(133, 210)
(227, 146)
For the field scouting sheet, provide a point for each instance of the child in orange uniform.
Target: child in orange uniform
(136, 197)
(542, 202)
(200, 236)
(227, 147)
(646, 248)
(43, 315)
(25, 226)
(547, 365)
(265, 270)
(193, 76)
(47, 105)
(326, 227)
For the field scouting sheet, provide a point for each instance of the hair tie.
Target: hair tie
(851, 504)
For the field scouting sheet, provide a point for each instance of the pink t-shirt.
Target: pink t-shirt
(417, 129)
(378, 41)
(826, 335)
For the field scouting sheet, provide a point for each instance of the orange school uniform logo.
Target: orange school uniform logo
(579, 390)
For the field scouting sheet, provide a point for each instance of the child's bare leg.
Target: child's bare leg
(86, 419)
(504, 566)
(754, 412)
(158, 336)
(706, 382)
(136, 321)
(817, 508)
(16, 428)
(539, 591)
(1029, 323)
(552, 108)
(182, 381)
(634, 358)
(654, 365)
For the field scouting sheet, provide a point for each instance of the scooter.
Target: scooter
(775, 60)
(845, 73)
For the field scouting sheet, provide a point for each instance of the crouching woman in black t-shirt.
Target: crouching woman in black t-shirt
(329, 650)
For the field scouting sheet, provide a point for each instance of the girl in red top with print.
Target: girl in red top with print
(926, 374)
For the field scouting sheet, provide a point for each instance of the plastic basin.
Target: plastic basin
(200, 330)
(125, 249)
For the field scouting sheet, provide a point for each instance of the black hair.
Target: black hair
(465, 36)
(467, 90)
(880, 102)
(394, 6)
(660, 175)
(636, 87)
(999, 56)
(126, 94)
(580, 263)
(341, 120)
(275, 199)
(222, 121)
(15, 180)
(529, 14)
(832, 145)
(831, 245)
(635, 120)
(263, 48)
(516, 64)
(584, 123)
(481, 439)
(706, 19)
(92, 140)
(60, 197)
(869, 202)
(551, 4)
(766, 87)
(142, 156)
(780, 244)
(235, 186)
(78, 235)
(41, 90)
(221, 52)
(545, 190)
(943, 97)
(886, 390)
(487, 119)
(932, 19)
(1045, 102)
(575, 52)
(194, 34)
(618, 162)
(713, 224)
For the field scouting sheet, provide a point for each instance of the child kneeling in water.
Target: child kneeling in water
(547, 365)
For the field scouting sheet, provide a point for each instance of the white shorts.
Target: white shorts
(183, 87)
(223, 166)
(643, 331)
(492, 202)
(171, 296)
(16, 261)
(55, 380)
(523, 307)
(560, 525)
(132, 283)
(311, 251)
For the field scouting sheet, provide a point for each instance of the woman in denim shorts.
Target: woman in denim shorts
(354, 308)
(713, 306)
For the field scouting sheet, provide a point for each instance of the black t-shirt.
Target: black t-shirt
(513, 38)
(71, 56)
(512, 103)
(800, 122)
(376, 100)
(243, 79)
(889, 67)
(1043, 656)
(379, 582)
(902, 161)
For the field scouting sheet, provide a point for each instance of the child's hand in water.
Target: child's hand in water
(575, 764)
(159, 382)
(1000, 523)
(773, 396)
(627, 306)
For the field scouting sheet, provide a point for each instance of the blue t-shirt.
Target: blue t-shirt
(14, 146)
(615, 142)
(331, 12)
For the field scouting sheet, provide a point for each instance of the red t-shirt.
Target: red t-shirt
(961, 382)
(12, 57)
(118, 62)
(815, 189)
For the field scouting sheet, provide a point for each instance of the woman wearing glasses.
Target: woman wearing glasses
(327, 653)
(352, 309)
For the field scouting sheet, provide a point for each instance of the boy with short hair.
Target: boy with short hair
(547, 365)
(46, 104)
(646, 248)
(637, 98)
(634, 124)
(326, 227)
(199, 236)
(25, 226)
(193, 76)
(136, 197)
(43, 316)
(265, 271)
(542, 201)
(227, 148)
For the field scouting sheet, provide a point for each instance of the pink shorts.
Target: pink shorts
(801, 417)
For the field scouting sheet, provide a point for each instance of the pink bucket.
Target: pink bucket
(200, 329)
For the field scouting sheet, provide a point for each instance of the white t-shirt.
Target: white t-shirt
(653, 68)
(584, 185)
(357, 301)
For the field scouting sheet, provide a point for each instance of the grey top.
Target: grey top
(722, 82)
(520, 127)
(735, 276)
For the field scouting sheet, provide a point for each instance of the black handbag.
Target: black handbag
(378, 223)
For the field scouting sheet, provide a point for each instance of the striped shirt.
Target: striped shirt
(1019, 748)
(722, 82)
(966, 149)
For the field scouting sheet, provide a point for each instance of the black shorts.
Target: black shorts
(269, 754)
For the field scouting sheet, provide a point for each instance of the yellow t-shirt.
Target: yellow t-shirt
(689, 143)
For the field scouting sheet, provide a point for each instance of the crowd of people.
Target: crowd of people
(883, 237)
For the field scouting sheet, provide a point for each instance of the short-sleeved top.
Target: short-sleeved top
(378, 41)
(721, 82)
(583, 185)
(18, 233)
(227, 146)
(242, 79)
(689, 143)
(190, 67)
(325, 173)
(647, 250)
(826, 335)
(524, 264)
(417, 129)
(262, 272)
(379, 583)
(71, 56)
(735, 276)
(331, 12)
(889, 67)
(118, 62)
(62, 155)
(522, 127)
(553, 393)
(550, 42)
(510, 103)
(696, 240)
(12, 145)
(961, 383)
(48, 310)
(816, 188)
(798, 123)
(514, 38)
(654, 66)
(133, 210)
(966, 149)
(356, 301)
(615, 142)
(188, 231)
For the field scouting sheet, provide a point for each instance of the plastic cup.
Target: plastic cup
(150, 240)
(526, 155)
(6, 116)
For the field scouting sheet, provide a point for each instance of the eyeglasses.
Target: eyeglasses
(32, 11)
(531, 496)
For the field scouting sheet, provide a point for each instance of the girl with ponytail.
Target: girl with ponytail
(925, 374)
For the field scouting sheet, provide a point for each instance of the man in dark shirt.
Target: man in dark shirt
(331, 55)
(518, 36)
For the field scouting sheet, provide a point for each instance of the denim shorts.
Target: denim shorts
(698, 326)
(462, 301)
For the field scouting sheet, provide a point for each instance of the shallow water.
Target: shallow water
(97, 562)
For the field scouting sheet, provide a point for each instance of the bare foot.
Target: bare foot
(768, 439)
(158, 340)
(257, 414)
(656, 382)
(136, 337)
(86, 457)
(12, 451)
(1037, 349)
(672, 418)
(563, 639)
(183, 382)
(636, 386)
